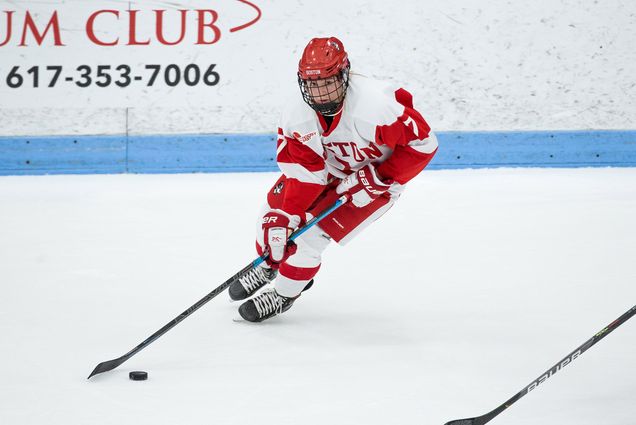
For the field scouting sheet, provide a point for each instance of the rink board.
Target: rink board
(256, 152)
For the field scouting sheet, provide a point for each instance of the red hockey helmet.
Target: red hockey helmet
(322, 58)
(323, 74)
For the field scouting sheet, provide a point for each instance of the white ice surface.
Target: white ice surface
(475, 283)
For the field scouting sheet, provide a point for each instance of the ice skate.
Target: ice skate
(265, 305)
(246, 285)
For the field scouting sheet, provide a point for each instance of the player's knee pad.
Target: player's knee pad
(311, 245)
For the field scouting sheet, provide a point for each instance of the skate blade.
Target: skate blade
(238, 319)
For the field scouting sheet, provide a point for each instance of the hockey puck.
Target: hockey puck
(138, 375)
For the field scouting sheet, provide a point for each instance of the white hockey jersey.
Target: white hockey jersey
(377, 124)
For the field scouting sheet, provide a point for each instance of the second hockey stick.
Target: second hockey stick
(480, 420)
(112, 364)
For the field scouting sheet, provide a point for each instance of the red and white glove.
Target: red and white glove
(364, 186)
(277, 226)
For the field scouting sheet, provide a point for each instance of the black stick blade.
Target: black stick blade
(479, 420)
(108, 365)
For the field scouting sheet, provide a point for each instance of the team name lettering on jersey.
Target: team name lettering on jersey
(351, 150)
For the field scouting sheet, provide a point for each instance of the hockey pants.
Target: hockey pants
(342, 225)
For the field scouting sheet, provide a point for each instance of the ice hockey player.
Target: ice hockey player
(346, 134)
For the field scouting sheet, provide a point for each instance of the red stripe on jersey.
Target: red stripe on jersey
(297, 153)
(280, 131)
(404, 164)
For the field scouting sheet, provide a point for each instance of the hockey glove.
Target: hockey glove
(364, 186)
(277, 226)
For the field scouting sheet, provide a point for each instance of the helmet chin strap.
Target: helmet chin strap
(334, 113)
(329, 110)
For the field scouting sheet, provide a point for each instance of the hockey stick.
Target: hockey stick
(112, 364)
(480, 420)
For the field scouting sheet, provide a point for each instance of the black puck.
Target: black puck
(138, 375)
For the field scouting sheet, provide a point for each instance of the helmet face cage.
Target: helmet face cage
(334, 87)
